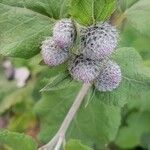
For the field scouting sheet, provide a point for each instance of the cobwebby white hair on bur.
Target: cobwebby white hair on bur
(64, 33)
(52, 54)
(99, 41)
(83, 69)
(109, 78)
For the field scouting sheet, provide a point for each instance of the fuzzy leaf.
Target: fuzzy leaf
(5, 86)
(100, 126)
(138, 16)
(129, 136)
(53, 106)
(17, 141)
(52, 8)
(88, 12)
(21, 122)
(11, 100)
(125, 4)
(75, 145)
(61, 81)
(16, 97)
(145, 138)
(130, 37)
(90, 96)
(22, 31)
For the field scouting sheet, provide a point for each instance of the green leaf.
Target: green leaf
(131, 38)
(135, 80)
(125, 4)
(126, 138)
(130, 3)
(52, 108)
(138, 16)
(22, 31)
(98, 128)
(129, 136)
(75, 145)
(90, 96)
(52, 8)
(145, 138)
(5, 86)
(61, 81)
(88, 12)
(11, 100)
(21, 123)
(17, 141)
(16, 97)
(58, 9)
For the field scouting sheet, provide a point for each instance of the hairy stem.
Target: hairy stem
(57, 140)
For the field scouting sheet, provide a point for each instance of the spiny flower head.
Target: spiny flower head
(52, 54)
(99, 41)
(109, 77)
(64, 33)
(83, 69)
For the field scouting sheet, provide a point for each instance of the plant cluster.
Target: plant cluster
(52, 110)
(97, 43)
